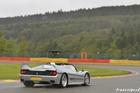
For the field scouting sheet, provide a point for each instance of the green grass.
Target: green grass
(97, 72)
(11, 71)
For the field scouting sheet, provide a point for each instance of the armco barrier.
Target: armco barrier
(15, 58)
(125, 62)
(89, 60)
(48, 60)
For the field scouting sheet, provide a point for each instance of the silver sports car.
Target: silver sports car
(61, 74)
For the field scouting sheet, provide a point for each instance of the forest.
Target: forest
(104, 32)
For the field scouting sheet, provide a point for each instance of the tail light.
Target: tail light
(53, 73)
(22, 72)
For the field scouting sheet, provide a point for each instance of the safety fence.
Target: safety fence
(73, 60)
(57, 54)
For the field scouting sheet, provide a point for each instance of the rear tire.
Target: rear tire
(63, 81)
(29, 83)
(86, 79)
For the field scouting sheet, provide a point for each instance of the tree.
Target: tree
(2, 44)
(23, 47)
(11, 47)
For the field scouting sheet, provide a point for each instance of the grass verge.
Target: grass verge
(11, 71)
(100, 72)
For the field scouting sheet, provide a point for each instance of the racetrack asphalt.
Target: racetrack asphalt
(97, 85)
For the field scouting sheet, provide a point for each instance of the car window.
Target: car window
(71, 67)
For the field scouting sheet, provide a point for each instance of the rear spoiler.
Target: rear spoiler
(25, 65)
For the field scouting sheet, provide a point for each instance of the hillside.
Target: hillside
(62, 15)
(104, 30)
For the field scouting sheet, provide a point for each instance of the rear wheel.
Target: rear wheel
(29, 83)
(86, 80)
(63, 81)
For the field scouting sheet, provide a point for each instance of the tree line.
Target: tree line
(73, 14)
(105, 30)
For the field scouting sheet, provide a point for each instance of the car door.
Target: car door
(80, 76)
(75, 76)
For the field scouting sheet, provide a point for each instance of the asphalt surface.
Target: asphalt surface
(98, 85)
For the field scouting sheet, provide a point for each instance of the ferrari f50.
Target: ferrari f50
(61, 74)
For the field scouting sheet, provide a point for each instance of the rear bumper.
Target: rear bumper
(42, 79)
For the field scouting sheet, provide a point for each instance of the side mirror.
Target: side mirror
(83, 70)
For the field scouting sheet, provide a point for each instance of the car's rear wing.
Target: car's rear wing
(24, 66)
(38, 65)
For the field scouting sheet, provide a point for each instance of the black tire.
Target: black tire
(63, 81)
(29, 83)
(86, 79)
